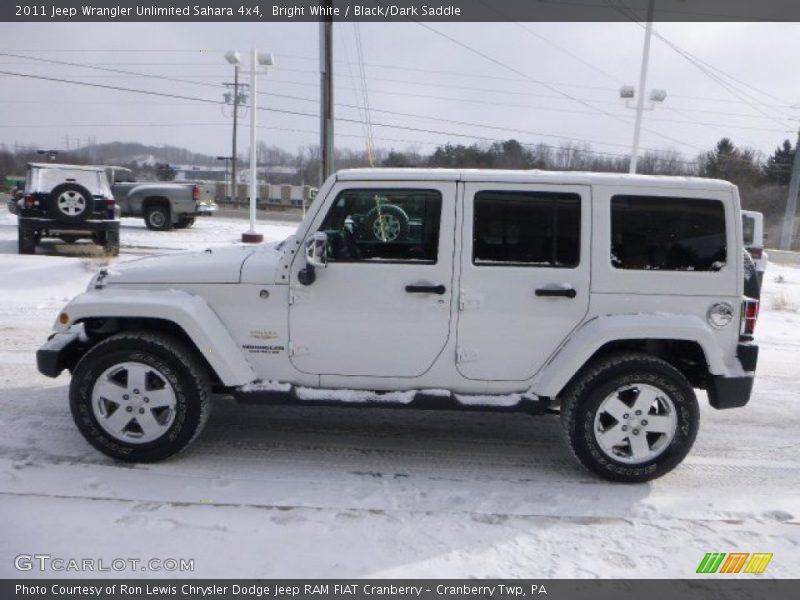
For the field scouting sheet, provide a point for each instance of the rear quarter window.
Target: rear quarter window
(667, 233)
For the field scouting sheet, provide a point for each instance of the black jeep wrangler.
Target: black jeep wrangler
(69, 202)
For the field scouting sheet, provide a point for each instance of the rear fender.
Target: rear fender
(594, 334)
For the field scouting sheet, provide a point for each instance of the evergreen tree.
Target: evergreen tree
(778, 168)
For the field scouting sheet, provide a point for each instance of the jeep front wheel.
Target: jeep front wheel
(630, 417)
(156, 217)
(140, 397)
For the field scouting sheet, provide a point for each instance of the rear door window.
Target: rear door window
(667, 233)
(526, 228)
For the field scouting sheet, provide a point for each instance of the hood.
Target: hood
(214, 265)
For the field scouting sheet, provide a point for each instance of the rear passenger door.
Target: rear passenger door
(524, 276)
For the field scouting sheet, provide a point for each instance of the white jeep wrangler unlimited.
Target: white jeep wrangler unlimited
(606, 298)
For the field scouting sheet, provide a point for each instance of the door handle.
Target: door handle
(426, 289)
(556, 292)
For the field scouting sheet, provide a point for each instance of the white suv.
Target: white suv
(607, 298)
(753, 235)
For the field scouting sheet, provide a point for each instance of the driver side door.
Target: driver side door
(381, 308)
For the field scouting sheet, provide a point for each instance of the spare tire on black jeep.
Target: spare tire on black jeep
(71, 203)
(388, 223)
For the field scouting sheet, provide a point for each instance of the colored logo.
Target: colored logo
(734, 562)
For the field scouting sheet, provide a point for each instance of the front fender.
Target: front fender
(189, 312)
(595, 333)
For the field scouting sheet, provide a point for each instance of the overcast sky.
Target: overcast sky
(561, 84)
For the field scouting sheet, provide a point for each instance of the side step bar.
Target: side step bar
(421, 400)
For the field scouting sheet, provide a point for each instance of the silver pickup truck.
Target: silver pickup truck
(163, 205)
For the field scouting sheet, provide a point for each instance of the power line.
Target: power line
(170, 78)
(297, 113)
(544, 84)
(623, 9)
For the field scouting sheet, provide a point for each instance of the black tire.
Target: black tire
(396, 215)
(180, 367)
(26, 241)
(581, 401)
(70, 203)
(157, 217)
(110, 243)
(184, 222)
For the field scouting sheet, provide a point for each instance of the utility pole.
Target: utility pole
(791, 200)
(236, 98)
(326, 94)
(637, 128)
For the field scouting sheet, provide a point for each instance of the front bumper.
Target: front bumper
(734, 392)
(61, 351)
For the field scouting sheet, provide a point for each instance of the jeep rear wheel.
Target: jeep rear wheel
(156, 217)
(110, 242)
(140, 397)
(630, 417)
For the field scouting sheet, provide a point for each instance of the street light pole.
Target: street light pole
(51, 154)
(234, 186)
(256, 59)
(642, 81)
(251, 236)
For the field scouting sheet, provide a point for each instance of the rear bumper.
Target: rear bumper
(734, 392)
(59, 352)
(51, 225)
(204, 210)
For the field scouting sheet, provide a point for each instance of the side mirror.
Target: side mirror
(316, 256)
(317, 250)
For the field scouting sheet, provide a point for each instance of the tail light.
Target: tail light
(110, 204)
(750, 312)
(196, 193)
(756, 253)
(30, 201)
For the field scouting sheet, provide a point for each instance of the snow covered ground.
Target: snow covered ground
(310, 492)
